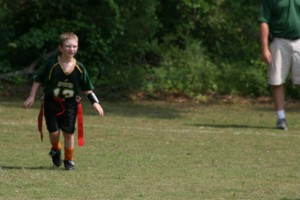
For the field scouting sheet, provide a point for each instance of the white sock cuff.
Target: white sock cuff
(280, 114)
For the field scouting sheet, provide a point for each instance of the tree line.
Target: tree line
(186, 47)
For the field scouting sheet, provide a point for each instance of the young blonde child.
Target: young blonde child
(63, 77)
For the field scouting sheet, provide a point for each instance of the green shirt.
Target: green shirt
(57, 83)
(282, 16)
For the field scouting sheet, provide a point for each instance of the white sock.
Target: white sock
(280, 114)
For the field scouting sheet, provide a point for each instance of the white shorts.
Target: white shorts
(285, 59)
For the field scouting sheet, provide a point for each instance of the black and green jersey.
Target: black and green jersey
(57, 83)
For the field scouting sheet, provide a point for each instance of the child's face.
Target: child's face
(69, 48)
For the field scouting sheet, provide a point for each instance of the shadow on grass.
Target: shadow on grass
(126, 108)
(232, 126)
(27, 168)
(137, 109)
(290, 199)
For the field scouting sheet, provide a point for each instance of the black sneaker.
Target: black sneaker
(282, 124)
(56, 157)
(69, 165)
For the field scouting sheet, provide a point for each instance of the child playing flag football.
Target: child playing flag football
(62, 78)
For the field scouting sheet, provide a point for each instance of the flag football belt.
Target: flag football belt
(79, 118)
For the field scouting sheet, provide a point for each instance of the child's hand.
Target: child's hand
(29, 102)
(97, 107)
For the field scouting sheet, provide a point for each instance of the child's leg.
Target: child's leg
(54, 140)
(69, 145)
(55, 151)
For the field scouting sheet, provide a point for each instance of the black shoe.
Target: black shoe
(282, 124)
(56, 157)
(69, 165)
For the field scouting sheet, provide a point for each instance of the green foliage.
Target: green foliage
(247, 79)
(122, 57)
(292, 91)
(187, 47)
(184, 71)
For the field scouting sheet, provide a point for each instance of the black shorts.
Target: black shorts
(60, 115)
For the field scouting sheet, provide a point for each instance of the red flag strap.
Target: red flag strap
(40, 121)
(60, 102)
(80, 124)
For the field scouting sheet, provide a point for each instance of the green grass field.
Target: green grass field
(155, 150)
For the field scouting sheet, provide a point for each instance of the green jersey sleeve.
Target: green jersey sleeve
(85, 81)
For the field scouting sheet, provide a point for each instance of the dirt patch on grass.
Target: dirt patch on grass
(21, 91)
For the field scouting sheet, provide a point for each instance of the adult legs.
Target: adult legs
(278, 97)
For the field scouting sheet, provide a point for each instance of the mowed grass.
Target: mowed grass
(156, 150)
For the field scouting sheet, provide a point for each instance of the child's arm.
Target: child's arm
(30, 100)
(95, 102)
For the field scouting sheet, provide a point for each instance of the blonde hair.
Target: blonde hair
(66, 36)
